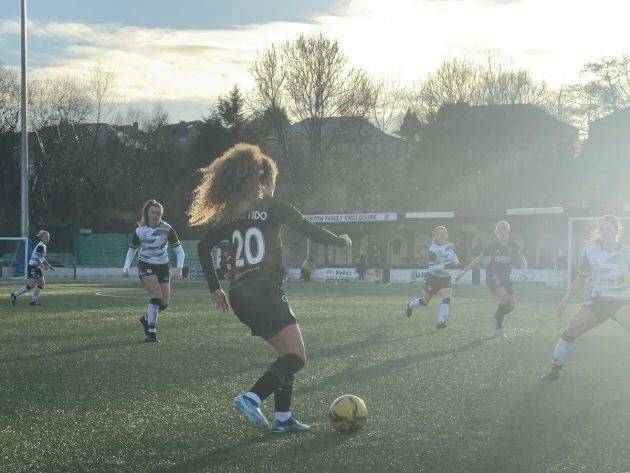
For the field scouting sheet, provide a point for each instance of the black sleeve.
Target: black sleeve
(204, 251)
(517, 254)
(135, 241)
(173, 239)
(289, 215)
(432, 256)
(39, 249)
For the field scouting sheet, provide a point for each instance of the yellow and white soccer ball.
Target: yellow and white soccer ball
(348, 413)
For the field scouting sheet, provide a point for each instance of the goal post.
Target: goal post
(579, 231)
(14, 256)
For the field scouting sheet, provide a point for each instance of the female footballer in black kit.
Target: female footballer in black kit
(504, 254)
(235, 199)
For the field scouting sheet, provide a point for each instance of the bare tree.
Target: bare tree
(268, 98)
(311, 78)
(608, 84)
(9, 140)
(489, 83)
(9, 99)
(56, 106)
(455, 81)
(129, 116)
(157, 120)
(100, 83)
(604, 89)
(570, 104)
(389, 104)
(67, 118)
(59, 101)
(504, 85)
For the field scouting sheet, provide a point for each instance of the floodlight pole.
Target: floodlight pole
(570, 253)
(24, 133)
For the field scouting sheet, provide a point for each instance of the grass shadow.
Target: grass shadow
(314, 443)
(213, 458)
(393, 366)
(372, 340)
(71, 351)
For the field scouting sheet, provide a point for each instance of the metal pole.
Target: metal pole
(25, 264)
(24, 129)
(570, 253)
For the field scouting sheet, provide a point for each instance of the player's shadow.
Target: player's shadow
(320, 353)
(285, 445)
(314, 447)
(389, 367)
(69, 351)
(373, 340)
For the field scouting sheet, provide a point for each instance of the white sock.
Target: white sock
(36, 292)
(443, 312)
(22, 290)
(152, 316)
(254, 397)
(561, 352)
(283, 416)
(416, 302)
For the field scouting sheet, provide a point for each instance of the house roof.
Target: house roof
(355, 126)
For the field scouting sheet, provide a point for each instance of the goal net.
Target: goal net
(580, 230)
(14, 254)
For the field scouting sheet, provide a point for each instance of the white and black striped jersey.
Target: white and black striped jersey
(38, 256)
(609, 272)
(440, 257)
(152, 242)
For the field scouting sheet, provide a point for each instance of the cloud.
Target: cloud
(163, 63)
(9, 27)
(409, 38)
(400, 38)
(157, 63)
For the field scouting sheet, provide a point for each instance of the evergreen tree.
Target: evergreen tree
(410, 127)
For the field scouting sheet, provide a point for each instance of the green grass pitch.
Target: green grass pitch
(81, 391)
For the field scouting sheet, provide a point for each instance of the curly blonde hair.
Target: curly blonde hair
(231, 184)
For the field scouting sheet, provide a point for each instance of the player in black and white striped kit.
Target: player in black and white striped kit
(438, 280)
(606, 262)
(151, 239)
(36, 278)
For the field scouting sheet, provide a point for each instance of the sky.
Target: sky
(184, 54)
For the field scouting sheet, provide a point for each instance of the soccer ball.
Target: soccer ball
(347, 413)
